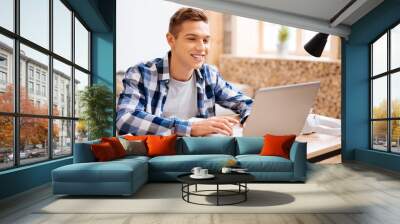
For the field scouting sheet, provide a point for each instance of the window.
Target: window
(62, 74)
(38, 89)
(54, 125)
(37, 75)
(297, 38)
(34, 21)
(3, 72)
(30, 72)
(62, 29)
(271, 40)
(7, 14)
(385, 92)
(81, 45)
(44, 91)
(30, 87)
(6, 69)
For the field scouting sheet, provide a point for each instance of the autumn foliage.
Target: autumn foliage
(380, 127)
(33, 130)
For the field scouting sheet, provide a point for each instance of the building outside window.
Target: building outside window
(385, 91)
(30, 72)
(30, 87)
(34, 68)
(3, 72)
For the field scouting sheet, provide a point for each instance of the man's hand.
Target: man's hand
(214, 125)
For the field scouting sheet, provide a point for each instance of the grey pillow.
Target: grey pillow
(134, 147)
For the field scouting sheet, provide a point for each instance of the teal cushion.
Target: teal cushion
(249, 145)
(185, 163)
(207, 145)
(83, 152)
(111, 171)
(257, 163)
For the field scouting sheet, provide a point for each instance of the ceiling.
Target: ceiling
(315, 15)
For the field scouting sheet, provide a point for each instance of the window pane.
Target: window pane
(7, 14)
(379, 135)
(34, 72)
(33, 140)
(62, 141)
(6, 142)
(62, 29)
(379, 55)
(395, 94)
(395, 47)
(271, 37)
(81, 81)
(379, 98)
(6, 74)
(81, 131)
(395, 138)
(62, 89)
(35, 21)
(81, 45)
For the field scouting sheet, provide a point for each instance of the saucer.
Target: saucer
(208, 176)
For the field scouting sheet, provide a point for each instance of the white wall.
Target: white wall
(141, 29)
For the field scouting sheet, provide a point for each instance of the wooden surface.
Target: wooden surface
(377, 189)
(318, 144)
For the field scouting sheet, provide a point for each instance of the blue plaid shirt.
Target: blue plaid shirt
(141, 103)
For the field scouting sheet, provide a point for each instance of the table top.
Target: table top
(220, 178)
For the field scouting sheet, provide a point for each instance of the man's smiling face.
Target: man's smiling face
(190, 46)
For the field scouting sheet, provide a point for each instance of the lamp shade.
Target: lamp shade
(316, 45)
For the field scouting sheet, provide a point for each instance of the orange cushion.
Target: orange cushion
(103, 151)
(135, 138)
(116, 145)
(277, 145)
(161, 145)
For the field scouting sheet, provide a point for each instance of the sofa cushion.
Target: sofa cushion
(208, 145)
(116, 145)
(275, 145)
(112, 171)
(249, 145)
(185, 163)
(83, 152)
(257, 163)
(134, 147)
(103, 152)
(161, 145)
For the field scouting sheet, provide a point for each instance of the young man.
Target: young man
(161, 96)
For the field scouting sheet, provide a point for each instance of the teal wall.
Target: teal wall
(24, 178)
(103, 64)
(100, 17)
(355, 86)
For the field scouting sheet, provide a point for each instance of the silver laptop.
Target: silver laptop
(281, 110)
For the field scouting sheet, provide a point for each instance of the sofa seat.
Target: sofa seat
(118, 177)
(257, 163)
(167, 168)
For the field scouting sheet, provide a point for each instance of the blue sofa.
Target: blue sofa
(125, 176)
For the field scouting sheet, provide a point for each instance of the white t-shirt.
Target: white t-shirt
(181, 99)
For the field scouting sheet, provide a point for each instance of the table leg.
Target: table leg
(245, 191)
(196, 188)
(217, 194)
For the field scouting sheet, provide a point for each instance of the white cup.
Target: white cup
(226, 170)
(203, 172)
(196, 170)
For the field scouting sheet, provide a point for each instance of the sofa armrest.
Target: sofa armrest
(298, 155)
(83, 152)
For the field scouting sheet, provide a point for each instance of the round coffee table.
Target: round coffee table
(238, 179)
